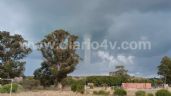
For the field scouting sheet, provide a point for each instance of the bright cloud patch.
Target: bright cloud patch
(119, 59)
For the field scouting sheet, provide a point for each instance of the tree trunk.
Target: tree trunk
(59, 86)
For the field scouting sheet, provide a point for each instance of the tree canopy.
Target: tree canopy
(164, 69)
(12, 52)
(60, 58)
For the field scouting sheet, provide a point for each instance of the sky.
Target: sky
(97, 20)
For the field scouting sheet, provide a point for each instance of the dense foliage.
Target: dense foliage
(120, 92)
(30, 83)
(108, 80)
(12, 52)
(163, 92)
(60, 57)
(120, 71)
(164, 69)
(140, 93)
(6, 88)
(68, 81)
(78, 86)
(150, 94)
(101, 93)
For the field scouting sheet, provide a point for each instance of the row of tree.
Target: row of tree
(59, 56)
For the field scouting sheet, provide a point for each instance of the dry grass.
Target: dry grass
(45, 93)
(68, 93)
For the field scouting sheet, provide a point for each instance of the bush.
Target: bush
(74, 87)
(163, 92)
(67, 81)
(6, 88)
(99, 81)
(120, 92)
(30, 84)
(140, 93)
(150, 94)
(101, 93)
(78, 86)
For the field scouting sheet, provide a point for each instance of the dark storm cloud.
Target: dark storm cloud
(135, 25)
(115, 20)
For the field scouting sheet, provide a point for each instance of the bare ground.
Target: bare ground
(45, 93)
(68, 93)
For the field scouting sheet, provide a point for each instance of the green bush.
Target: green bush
(101, 93)
(6, 88)
(163, 92)
(107, 80)
(78, 86)
(20, 88)
(140, 93)
(67, 81)
(74, 87)
(120, 92)
(150, 94)
(30, 84)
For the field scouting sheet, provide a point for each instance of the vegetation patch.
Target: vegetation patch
(120, 92)
(7, 88)
(101, 93)
(140, 93)
(163, 92)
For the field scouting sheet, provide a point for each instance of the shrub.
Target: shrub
(67, 81)
(140, 93)
(80, 89)
(6, 88)
(78, 86)
(101, 93)
(30, 84)
(120, 92)
(108, 80)
(163, 92)
(150, 94)
(20, 88)
(74, 87)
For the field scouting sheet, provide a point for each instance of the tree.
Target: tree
(44, 75)
(12, 52)
(164, 69)
(60, 57)
(121, 73)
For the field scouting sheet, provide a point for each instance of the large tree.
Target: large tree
(164, 69)
(60, 57)
(12, 52)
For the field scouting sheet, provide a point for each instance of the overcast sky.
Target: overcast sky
(113, 20)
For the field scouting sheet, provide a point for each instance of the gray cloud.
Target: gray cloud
(115, 20)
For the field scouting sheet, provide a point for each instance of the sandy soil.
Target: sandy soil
(45, 93)
(68, 93)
